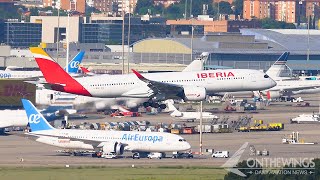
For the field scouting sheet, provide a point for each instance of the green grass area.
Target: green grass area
(83, 173)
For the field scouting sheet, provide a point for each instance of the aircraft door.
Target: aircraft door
(253, 78)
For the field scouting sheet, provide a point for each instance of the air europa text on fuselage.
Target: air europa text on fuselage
(215, 75)
(137, 137)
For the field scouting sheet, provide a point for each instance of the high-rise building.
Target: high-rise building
(291, 11)
(22, 34)
(72, 5)
(48, 3)
(105, 6)
(126, 6)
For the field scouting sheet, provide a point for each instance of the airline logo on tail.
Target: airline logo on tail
(74, 64)
(59, 79)
(34, 118)
(36, 121)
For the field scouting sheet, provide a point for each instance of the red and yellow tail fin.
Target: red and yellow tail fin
(56, 75)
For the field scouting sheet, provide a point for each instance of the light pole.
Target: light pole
(218, 11)
(58, 34)
(129, 28)
(122, 36)
(185, 9)
(67, 39)
(200, 138)
(190, 8)
(192, 29)
(308, 50)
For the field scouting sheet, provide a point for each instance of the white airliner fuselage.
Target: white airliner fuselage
(174, 112)
(133, 141)
(4, 74)
(213, 81)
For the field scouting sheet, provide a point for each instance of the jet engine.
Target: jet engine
(115, 147)
(194, 93)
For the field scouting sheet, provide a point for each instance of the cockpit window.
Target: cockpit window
(182, 140)
(266, 76)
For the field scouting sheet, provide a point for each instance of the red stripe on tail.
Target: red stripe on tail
(85, 70)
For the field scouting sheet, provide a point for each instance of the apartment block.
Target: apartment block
(291, 11)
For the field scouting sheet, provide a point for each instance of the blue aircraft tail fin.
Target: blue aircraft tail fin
(282, 60)
(73, 65)
(36, 121)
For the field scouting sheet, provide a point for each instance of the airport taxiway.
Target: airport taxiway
(21, 151)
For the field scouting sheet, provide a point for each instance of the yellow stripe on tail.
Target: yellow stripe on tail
(39, 53)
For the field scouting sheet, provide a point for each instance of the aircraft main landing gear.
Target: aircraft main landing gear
(154, 105)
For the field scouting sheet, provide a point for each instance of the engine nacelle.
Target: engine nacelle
(194, 93)
(116, 147)
(273, 94)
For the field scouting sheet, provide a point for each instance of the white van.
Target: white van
(155, 155)
(109, 155)
(220, 154)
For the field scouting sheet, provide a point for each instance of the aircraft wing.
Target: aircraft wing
(169, 90)
(296, 88)
(66, 112)
(51, 86)
(94, 143)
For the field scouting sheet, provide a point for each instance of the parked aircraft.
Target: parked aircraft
(197, 64)
(275, 70)
(174, 112)
(22, 73)
(18, 118)
(287, 86)
(191, 86)
(110, 141)
(83, 102)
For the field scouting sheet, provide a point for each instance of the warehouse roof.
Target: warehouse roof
(293, 40)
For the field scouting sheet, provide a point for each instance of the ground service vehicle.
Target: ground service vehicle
(220, 154)
(182, 155)
(155, 155)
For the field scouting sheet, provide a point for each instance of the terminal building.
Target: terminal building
(153, 42)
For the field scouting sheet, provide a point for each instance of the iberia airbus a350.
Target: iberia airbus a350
(192, 86)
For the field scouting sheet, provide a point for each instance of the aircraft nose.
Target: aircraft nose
(272, 83)
(187, 145)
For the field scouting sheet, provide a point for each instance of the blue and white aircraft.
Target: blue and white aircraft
(22, 73)
(18, 118)
(109, 141)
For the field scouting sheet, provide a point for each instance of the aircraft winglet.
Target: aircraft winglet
(138, 74)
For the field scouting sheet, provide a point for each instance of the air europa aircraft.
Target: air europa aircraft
(109, 141)
(192, 86)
